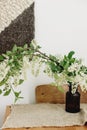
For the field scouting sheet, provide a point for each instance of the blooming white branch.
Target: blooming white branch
(64, 70)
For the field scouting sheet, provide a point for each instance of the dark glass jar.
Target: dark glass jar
(72, 101)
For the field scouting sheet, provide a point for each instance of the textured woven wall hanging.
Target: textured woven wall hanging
(16, 23)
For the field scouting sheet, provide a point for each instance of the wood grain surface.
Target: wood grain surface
(51, 94)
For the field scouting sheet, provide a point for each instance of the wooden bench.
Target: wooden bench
(51, 94)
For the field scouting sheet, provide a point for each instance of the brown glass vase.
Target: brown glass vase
(72, 101)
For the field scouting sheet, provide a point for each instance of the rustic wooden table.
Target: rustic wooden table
(8, 110)
(48, 93)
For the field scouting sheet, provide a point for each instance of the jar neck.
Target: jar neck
(70, 87)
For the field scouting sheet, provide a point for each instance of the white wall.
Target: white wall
(61, 26)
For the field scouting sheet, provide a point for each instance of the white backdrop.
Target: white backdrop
(61, 26)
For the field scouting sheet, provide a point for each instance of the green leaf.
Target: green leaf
(4, 80)
(25, 46)
(71, 53)
(9, 53)
(52, 57)
(72, 60)
(17, 94)
(21, 81)
(20, 48)
(60, 89)
(14, 48)
(17, 98)
(7, 92)
(38, 47)
(53, 67)
(66, 65)
(31, 46)
(1, 58)
(0, 91)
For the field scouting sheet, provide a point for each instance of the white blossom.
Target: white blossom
(25, 66)
(4, 68)
(74, 67)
